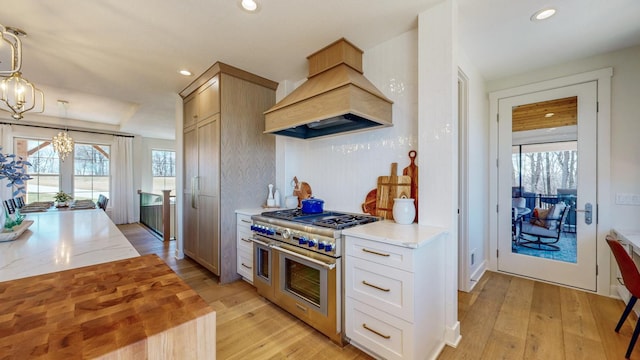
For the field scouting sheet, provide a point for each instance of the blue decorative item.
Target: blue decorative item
(13, 168)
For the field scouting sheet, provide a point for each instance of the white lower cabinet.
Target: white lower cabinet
(394, 297)
(244, 246)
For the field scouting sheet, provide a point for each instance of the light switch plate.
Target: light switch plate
(627, 199)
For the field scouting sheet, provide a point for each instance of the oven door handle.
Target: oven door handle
(260, 242)
(317, 262)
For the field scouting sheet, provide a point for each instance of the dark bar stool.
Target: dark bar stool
(102, 202)
(10, 205)
(631, 278)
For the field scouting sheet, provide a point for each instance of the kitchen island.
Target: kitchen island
(61, 240)
(122, 305)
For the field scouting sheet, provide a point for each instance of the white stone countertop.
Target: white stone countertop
(631, 236)
(387, 231)
(253, 211)
(61, 240)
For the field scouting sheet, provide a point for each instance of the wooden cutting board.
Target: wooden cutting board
(412, 171)
(389, 188)
(369, 204)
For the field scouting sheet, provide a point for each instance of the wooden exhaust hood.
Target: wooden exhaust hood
(335, 99)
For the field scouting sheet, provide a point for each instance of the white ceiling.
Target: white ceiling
(116, 61)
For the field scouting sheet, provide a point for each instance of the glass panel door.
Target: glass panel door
(548, 185)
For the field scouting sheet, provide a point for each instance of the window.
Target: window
(163, 168)
(44, 169)
(91, 171)
(88, 175)
(544, 168)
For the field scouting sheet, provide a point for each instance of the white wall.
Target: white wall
(625, 120)
(477, 137)
(343, 169)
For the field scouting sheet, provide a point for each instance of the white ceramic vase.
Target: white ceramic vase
(404, 211)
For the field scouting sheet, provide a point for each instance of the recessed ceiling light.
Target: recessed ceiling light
(185, 72)
(548, 115)
(543, 14)
(249, 5)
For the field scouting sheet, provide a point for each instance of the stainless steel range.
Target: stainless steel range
(298, 265)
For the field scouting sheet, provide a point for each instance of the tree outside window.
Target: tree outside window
(163, 168)
(91, 168)
(545, 168)
(44, 169)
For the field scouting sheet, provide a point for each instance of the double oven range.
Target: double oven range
(298, 264)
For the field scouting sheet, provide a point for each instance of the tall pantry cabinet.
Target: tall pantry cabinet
(228, 161)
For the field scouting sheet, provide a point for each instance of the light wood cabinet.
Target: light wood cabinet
(394, 297)
(228, 161)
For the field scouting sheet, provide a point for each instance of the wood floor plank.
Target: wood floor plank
(504, 346)
(606, 312)
(581, 337)
(545, 336)
(478, 323)
(509, 335)
(513, 316)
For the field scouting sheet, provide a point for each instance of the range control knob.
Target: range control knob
(286, 233)
(313, 243)
(321, 245)
(329, 247)
(302, 240)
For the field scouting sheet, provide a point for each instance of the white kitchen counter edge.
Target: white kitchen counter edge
(251, 211)
(389, 232)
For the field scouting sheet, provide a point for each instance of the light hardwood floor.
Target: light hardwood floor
(504, 317)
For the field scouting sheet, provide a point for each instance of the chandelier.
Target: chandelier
(17, 94)
(62, 144)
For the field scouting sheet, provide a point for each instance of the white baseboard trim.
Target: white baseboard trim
(452, 335)
(473, 280)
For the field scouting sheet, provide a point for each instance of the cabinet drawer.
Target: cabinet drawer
(385, 288)
(244, 240)
(245, 264)
(381, 253)
(376, 331)
(244, 220)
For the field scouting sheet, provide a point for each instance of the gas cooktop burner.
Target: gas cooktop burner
(328, 219)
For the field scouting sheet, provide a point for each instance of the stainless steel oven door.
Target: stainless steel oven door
(263, 269)
(305, 277)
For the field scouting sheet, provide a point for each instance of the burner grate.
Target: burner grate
(327, 219)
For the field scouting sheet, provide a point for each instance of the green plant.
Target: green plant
(14, 171)
(62, 196)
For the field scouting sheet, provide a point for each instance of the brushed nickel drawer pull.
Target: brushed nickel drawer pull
(375, 252)
(376, 332)
(300, 307)
(620, 280)
(245, 240)
(245, 221)
(375, 286)
(247, 266)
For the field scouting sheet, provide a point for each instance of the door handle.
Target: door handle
(588, 213)
(196, 191)
(193, 192)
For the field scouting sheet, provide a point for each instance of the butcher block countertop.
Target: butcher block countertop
(134, 309)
